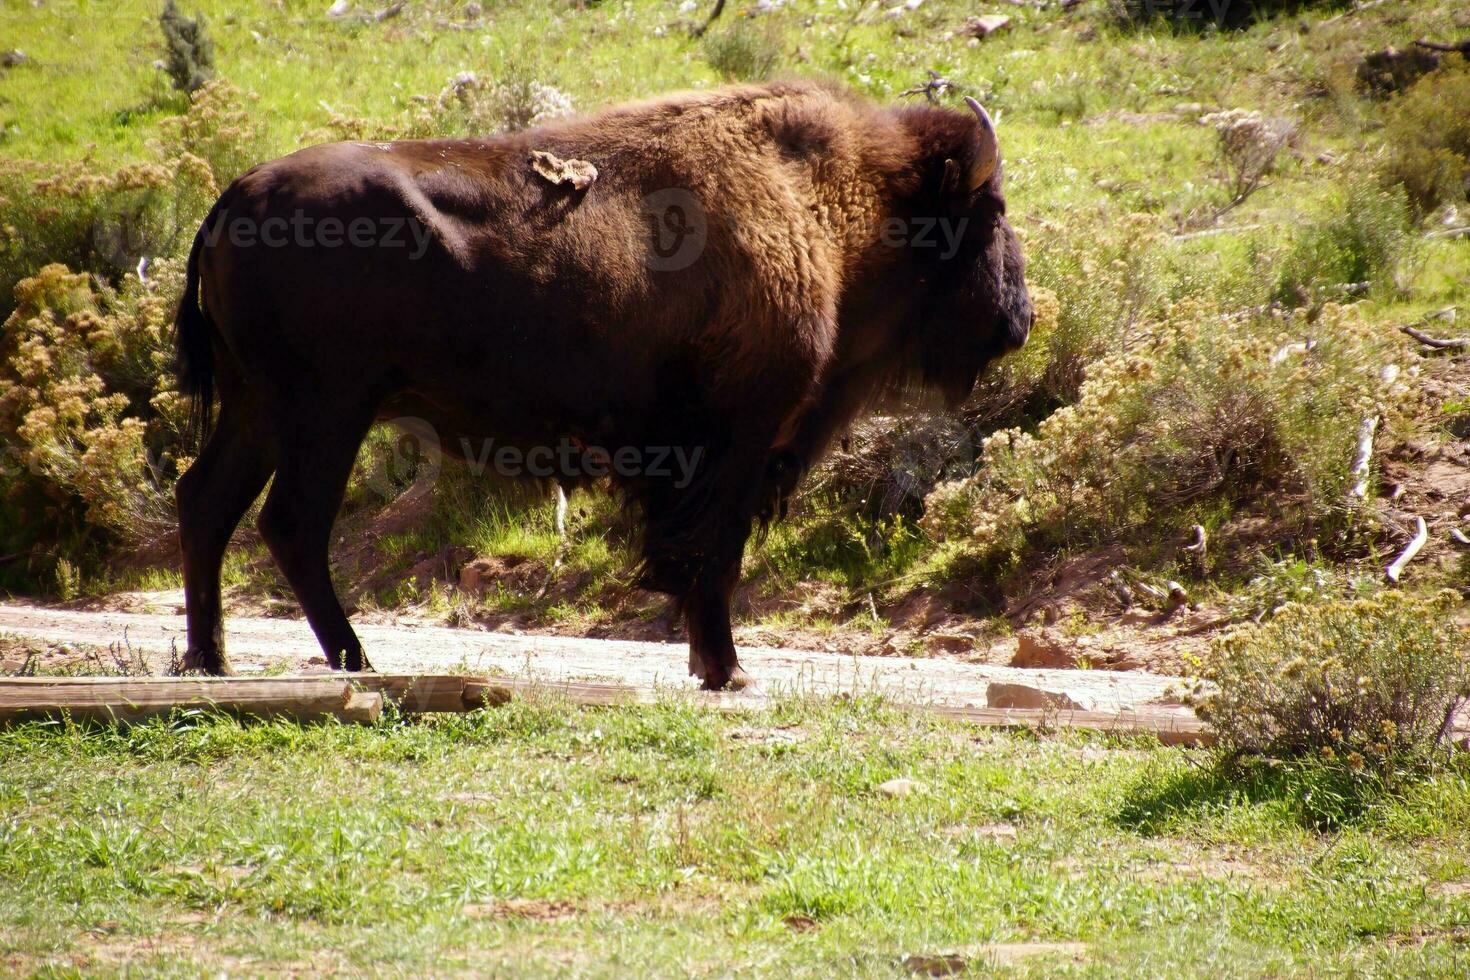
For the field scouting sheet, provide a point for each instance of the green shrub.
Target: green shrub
(1289, 581)
(1428, 139)
(1360, 239)
(96, 222)
(743, 53)
(104, 222)
(188, 49)
(1370, 683)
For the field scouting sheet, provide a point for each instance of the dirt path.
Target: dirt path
(257, 644)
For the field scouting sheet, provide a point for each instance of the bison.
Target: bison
(733, 274)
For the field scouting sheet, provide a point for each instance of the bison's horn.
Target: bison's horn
(989, 154)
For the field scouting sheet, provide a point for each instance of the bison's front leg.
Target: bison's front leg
(712, 656)
(693, 542)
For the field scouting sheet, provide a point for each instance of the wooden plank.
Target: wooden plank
(1173, 725)
(126, 699)
(418, 693)
(361, 698)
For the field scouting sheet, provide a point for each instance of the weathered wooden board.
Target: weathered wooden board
(127, 699)
(361, 698)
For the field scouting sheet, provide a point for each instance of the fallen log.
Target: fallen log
(126, 700)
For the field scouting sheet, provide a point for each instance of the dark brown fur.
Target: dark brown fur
(534, 316)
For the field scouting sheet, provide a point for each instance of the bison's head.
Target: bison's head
(969, 297)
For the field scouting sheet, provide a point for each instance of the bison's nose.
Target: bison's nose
(1019, 327)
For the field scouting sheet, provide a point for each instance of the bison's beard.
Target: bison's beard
(949, 374)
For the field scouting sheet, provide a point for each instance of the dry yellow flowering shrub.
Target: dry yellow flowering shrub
(219, 128)
(99, 222)
(1203, 410)
(89, 420)
(1372, 683)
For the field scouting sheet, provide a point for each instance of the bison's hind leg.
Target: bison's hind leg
(212, 496)
(315, 455)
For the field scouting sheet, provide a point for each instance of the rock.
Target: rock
(936, 964)
(1450, 889)
(1042, 648)
(950, 642)
(1382, 73)
(984, 25)
(12, 58)
(339, 10)
(918, 611)
(1004, 954)
(901, 787)
(1001, 695)
(473, 574)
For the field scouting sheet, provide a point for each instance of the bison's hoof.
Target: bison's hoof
(737, 680)
(210, 662)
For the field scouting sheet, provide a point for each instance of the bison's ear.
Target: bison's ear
(987, 146)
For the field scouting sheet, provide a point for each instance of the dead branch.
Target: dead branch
(1362, 462)
(1120, 589)
(1456, 232)
(1463, 47)
(714, 15)
(1421, 536)
(1189, 236)
(1356, 8)
(1198, 547)
(1438, 343)
(1300, 347)
(932, 89)
(1178, 596)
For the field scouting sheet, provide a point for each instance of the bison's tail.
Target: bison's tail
(194, 345)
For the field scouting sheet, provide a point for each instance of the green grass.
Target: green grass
(673, 841)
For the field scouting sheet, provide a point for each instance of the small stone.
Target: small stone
(1451, 889)
(1042, 648)
(1001, 695)
(12, 58)
(984, 25)
(901, 787)
(936, 964)
(950, 642)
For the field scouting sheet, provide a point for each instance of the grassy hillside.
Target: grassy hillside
(1224, 229)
